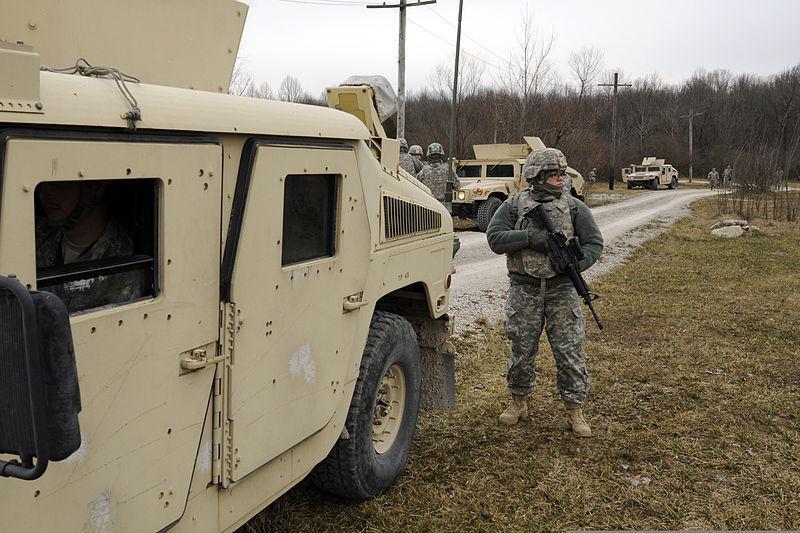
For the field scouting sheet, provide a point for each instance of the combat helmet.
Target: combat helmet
(403, 145)
(435, 149)
(540, 160)
(415, 149)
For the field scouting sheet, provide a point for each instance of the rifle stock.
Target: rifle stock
(566, 255)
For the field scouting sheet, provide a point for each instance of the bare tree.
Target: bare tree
(586, 65)
(241, 79)
(529, 69)
(470, 77)
(292, 91)
(243, 83)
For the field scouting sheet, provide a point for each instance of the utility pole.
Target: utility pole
(401, 61)
(453, 107)
(690, 116)
(613, 127)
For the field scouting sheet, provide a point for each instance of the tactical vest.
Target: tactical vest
(528, 261)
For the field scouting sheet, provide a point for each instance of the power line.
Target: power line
(465, 35)
(479, 58)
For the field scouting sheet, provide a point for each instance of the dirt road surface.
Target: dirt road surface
(480, 283)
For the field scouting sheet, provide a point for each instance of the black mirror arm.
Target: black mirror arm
(26, 470)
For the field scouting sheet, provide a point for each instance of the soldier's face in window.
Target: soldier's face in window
(59, 198)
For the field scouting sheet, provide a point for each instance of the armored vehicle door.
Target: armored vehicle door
(142, 298)
(297, 295)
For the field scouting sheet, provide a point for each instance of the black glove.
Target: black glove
(537, 239)
(558, 268)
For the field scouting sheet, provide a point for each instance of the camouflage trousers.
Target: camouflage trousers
(555, 308)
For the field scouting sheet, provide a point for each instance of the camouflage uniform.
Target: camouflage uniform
(727, 177)
(539, 296)
(713, 178)
(409, 163)
(436, 175)
(91, 292)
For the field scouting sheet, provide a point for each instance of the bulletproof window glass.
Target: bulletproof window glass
(500, 171)
(309, 217)
(96, 241)
(639, 169)
(653, 169)
(468, 171)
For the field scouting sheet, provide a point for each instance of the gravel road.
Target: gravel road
(480, 282)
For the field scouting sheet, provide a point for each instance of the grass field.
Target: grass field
(694, 408)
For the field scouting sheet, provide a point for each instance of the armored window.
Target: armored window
(500, 171)
(96, 241)
(653, 169)
(309, 217)
(640, 169)
(469, 171)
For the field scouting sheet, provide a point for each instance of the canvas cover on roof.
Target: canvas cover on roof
(385, 99)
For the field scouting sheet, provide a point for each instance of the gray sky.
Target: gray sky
(322, 42)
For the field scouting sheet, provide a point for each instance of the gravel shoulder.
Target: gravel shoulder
(480, 283)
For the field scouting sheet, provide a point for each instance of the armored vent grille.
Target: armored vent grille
(403, 219)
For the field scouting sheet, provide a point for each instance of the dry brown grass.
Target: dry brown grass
(695, 386)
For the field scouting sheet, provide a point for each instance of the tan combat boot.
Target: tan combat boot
(518, 409)
(576, 420)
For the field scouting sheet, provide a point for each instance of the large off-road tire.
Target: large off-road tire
(486, 211)
(630, 185)
(382, 416)
(674, 183)
(654, 184)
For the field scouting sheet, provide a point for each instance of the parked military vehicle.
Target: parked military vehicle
(494, 175)
(271, 303)
(650, 174)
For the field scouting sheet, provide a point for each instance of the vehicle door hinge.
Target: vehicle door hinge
(221, 427)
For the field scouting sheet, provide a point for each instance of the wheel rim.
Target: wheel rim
(389, 407)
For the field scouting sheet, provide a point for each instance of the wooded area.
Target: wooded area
(749, 122)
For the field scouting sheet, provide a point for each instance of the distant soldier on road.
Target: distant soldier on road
(713, 178)
(727, 177)
(407, 162)
(540, 297)
(436, 174)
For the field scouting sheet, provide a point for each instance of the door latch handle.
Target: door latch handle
(199, 359)
(354, 301)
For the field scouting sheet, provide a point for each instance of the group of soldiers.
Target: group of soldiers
(727, 178)
(435, 174)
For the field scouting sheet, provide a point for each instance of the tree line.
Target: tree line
(747, 121)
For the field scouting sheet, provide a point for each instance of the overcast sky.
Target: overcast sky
(322, 42)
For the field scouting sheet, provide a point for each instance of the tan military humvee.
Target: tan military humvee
(650, 174)
(496, 174)
(271, 302)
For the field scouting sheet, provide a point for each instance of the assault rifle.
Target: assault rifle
(565, 256)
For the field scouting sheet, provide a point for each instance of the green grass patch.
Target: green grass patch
(695, 388)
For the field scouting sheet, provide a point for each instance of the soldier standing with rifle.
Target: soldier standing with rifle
(544, 268)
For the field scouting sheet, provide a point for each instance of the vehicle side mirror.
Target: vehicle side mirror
(39, 395)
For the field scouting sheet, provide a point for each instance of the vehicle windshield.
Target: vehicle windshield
(468, 171)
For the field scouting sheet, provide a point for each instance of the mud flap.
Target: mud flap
(438, 389)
